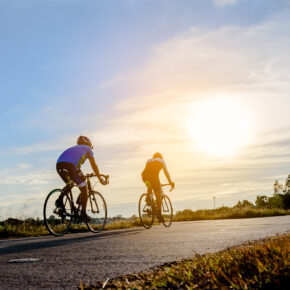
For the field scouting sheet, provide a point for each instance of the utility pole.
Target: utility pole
(214, 202)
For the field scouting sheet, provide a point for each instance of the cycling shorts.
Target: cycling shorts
(69, 172)
(152, 183)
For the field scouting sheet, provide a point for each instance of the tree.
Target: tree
(287, 183)
(238, 205)
(275, 201)
(286, 200)
(243, 204)
(276, 187)
(246, 203)
(261, 201)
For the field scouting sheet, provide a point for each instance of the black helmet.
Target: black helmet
(157, 155)
(83, 140)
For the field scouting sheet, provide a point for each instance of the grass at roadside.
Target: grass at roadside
(14, 228)
(260, 265)
(227, 213)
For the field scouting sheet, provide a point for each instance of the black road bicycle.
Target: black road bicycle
(58, 220)
(148, 209)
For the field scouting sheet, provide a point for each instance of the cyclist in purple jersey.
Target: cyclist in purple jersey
(68, 167)
(150, 177)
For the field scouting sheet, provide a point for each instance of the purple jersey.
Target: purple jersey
(76, 155)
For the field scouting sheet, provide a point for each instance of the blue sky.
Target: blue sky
(131, 74)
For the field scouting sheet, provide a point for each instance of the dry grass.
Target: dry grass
(227, 213)
(13, 228)
(260, 265)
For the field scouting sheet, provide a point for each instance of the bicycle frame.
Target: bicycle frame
(148, 209)
(91, 199)
(164, 203)
(59, 218)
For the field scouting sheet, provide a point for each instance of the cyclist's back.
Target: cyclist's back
(68, 167)
(150, 177)
(153, 168)
(150, 174)
(76, 155)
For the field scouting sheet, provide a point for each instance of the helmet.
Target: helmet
(83, 140)
(157, 155)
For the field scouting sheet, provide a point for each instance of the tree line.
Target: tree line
(280, 198)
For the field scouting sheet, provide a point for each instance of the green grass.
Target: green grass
(227, 213)
(13, 228)
(260, 265)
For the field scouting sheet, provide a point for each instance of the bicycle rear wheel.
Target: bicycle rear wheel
(146, 213)
(166, 210)
(97, 211)
(57, 220)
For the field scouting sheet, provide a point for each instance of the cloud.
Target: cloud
(23, 165)
(248, 64)
(21, 176)
(225, 2)
(51, 145)
(245, 63)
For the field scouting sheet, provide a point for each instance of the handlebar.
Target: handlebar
(168, 184)
(101, 175)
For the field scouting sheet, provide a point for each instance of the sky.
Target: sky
(204, 82)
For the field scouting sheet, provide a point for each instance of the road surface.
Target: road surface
(87, 257)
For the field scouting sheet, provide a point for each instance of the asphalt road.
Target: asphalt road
(95, 257)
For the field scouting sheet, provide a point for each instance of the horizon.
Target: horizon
(203, 82)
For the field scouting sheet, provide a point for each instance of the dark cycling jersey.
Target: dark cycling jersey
(76, 155)
(152, 170)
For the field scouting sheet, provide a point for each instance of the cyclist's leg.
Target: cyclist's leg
(65, 171)
(149, 188)
(157, 191)
(80, 181)
(84, 197)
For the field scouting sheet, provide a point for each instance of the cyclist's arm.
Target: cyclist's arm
(166, 172)
(95, 167)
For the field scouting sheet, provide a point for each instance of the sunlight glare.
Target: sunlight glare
(220, 127)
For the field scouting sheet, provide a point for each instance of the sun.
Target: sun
(220, 127)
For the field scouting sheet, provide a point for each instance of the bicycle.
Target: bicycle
(148, 208)
(58, 220)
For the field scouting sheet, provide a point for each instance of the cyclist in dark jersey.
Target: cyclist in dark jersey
(150, 177)
(68, 167)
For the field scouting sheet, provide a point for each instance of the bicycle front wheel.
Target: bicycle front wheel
(166, 211)
(146, 213)
(57, 220)
(97, 211)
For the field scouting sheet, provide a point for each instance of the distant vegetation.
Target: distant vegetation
(227, 213)
(15, 228)
(275, 205)
(260, 265)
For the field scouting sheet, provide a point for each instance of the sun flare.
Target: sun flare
(220, 127)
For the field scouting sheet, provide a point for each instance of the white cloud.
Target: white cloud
(50, 145)
(23, 165)
(250, 64)
(33, 177)
(225, 2)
